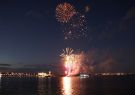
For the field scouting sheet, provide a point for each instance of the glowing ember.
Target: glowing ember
(87, 8)
(75, 28)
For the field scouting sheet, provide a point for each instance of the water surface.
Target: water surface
(111, 85)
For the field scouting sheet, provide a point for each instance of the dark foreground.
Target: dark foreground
(103, 85)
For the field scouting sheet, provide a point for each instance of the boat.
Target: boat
(84, 75)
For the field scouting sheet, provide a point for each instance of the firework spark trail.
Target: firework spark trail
(66, 52)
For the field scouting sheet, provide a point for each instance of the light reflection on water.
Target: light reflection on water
(66, 86)
(0, 82)
(44, 86)
(71, 86)
(41, 86)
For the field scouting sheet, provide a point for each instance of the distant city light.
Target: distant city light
(43, 74)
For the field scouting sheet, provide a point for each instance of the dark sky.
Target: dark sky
(30, 35)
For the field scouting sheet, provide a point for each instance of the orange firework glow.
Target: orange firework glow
(72, 62)
(87, 8)
(64, 12)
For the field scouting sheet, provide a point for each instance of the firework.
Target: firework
(76, 27)
(64, 12)
(72, 61)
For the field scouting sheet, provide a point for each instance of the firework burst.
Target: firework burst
(64, 12)
(73, 23)
(72, 61)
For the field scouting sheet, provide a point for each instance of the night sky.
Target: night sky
(31, 38)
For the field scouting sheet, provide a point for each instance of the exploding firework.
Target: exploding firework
(76, 27)
(73, 23)
(72, 61)
(64, 12)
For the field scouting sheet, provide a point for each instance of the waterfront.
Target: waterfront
(99, 85)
